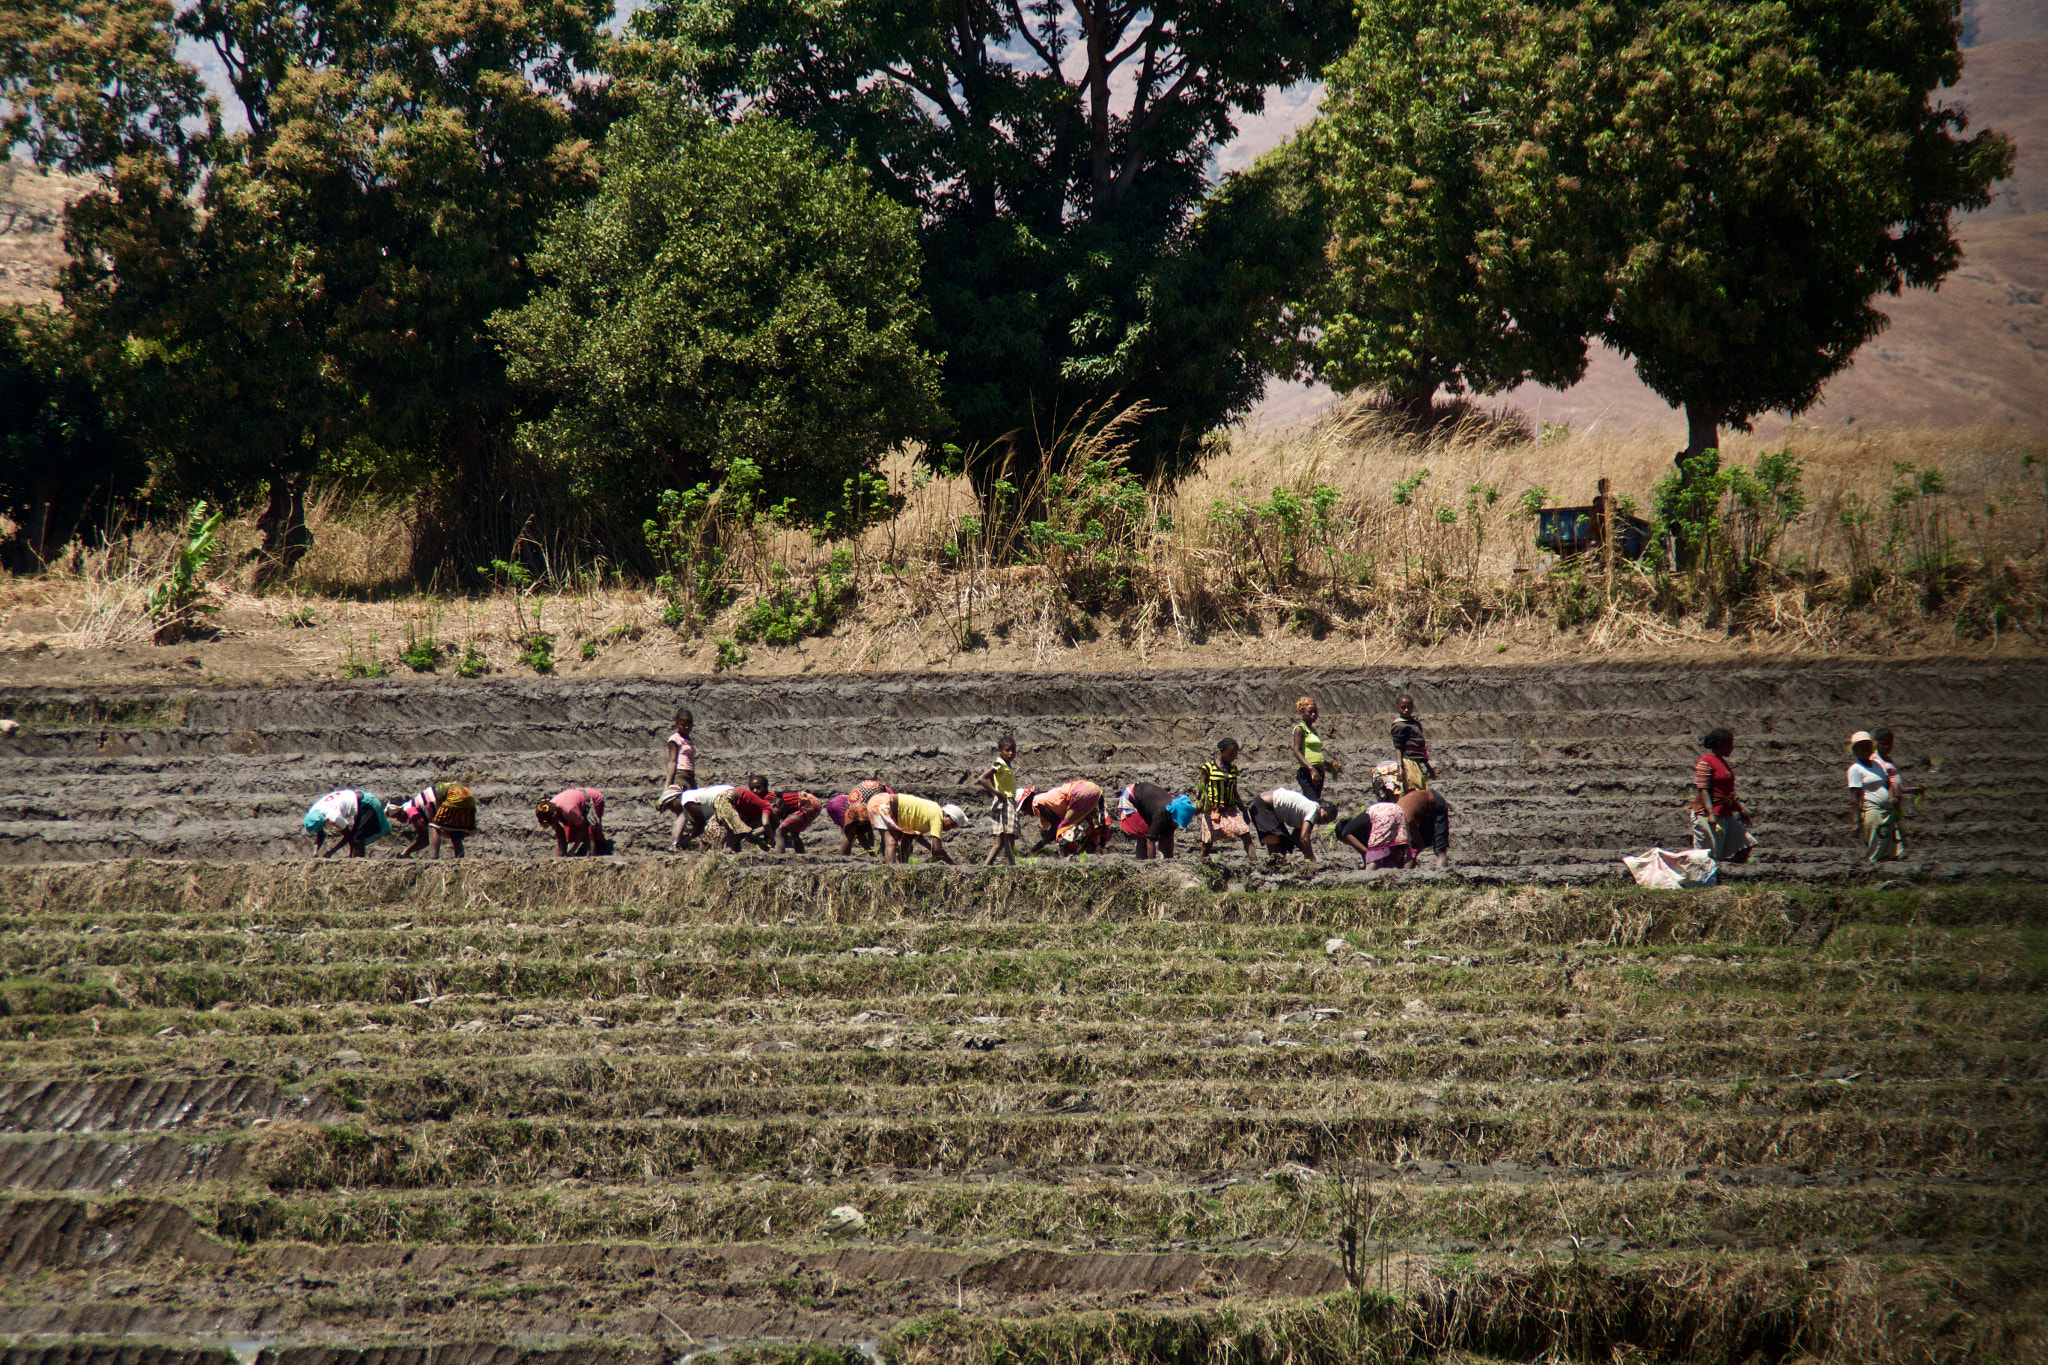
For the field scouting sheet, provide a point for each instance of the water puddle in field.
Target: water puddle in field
(246, 1349)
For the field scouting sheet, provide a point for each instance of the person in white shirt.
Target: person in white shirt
(691, 809)
(1284, 818)
(1873, 800)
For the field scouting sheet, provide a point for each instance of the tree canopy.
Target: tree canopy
(1758, 173)
(1447, 272)
(1718, 189)
(1056, 158)
(729, 293)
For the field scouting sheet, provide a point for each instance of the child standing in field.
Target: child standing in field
(1411, 746)
(682, 777)
(1000, 782)
(1222, 811)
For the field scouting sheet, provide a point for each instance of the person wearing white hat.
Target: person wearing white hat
(904, 819)
(1873, 801)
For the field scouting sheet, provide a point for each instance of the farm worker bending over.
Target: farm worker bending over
(354, 819)
(903, 819)
(1380, 834)
(1720, 823)
(799, 809)
(1283, 818)
(1429, 815)
(577, 818)
(443, 810)
(850, 812)
(1151, 815)
(1068, 813)
(691, 809)
(747, 813)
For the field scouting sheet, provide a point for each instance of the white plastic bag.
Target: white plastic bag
(1668, 871)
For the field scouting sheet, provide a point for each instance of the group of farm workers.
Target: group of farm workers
(1403, 816)
(1877, 798)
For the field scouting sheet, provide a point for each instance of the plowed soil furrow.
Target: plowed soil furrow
(1536, 759)
(620, 1111)
(140, 1104)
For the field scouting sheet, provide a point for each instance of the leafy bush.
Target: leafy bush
(472, 664)
(1725, 524)
(421, 652)
(179, 597)
(536, 646)
(782, 616)
(362, 663)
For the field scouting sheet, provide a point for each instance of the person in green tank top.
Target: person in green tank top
(1314, 769)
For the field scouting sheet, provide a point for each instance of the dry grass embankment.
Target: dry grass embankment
(1320, 546)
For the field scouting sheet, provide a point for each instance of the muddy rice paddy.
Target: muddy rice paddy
(641, 1108)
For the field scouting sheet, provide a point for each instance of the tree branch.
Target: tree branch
(1051, 61)
(1140, 127)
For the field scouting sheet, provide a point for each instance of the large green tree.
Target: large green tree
(731, 292)
(1057, 158)
(314, 287)
(1441, 276)
(1760, 172)
(1721, 189)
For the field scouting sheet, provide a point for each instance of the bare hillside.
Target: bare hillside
(32, 231)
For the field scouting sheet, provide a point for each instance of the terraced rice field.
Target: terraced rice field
(520, 1112)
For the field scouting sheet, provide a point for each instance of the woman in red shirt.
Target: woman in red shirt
(577, 818)
(1720, 822)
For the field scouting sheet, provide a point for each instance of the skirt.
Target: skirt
(1002, 816)
(368, 828)
(1229, 822)
(1266, 821)
(1136, 825)
(1414, 777)
(729, 815)
(457, 812)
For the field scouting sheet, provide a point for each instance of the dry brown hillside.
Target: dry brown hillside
(32, 231)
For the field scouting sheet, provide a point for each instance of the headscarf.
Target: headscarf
(1386, 777)
(1304, 706)
(1182, 809)
(544, 808)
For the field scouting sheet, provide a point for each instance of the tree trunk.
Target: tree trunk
(283, 524)
(1702, 429)
(1417, 404)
